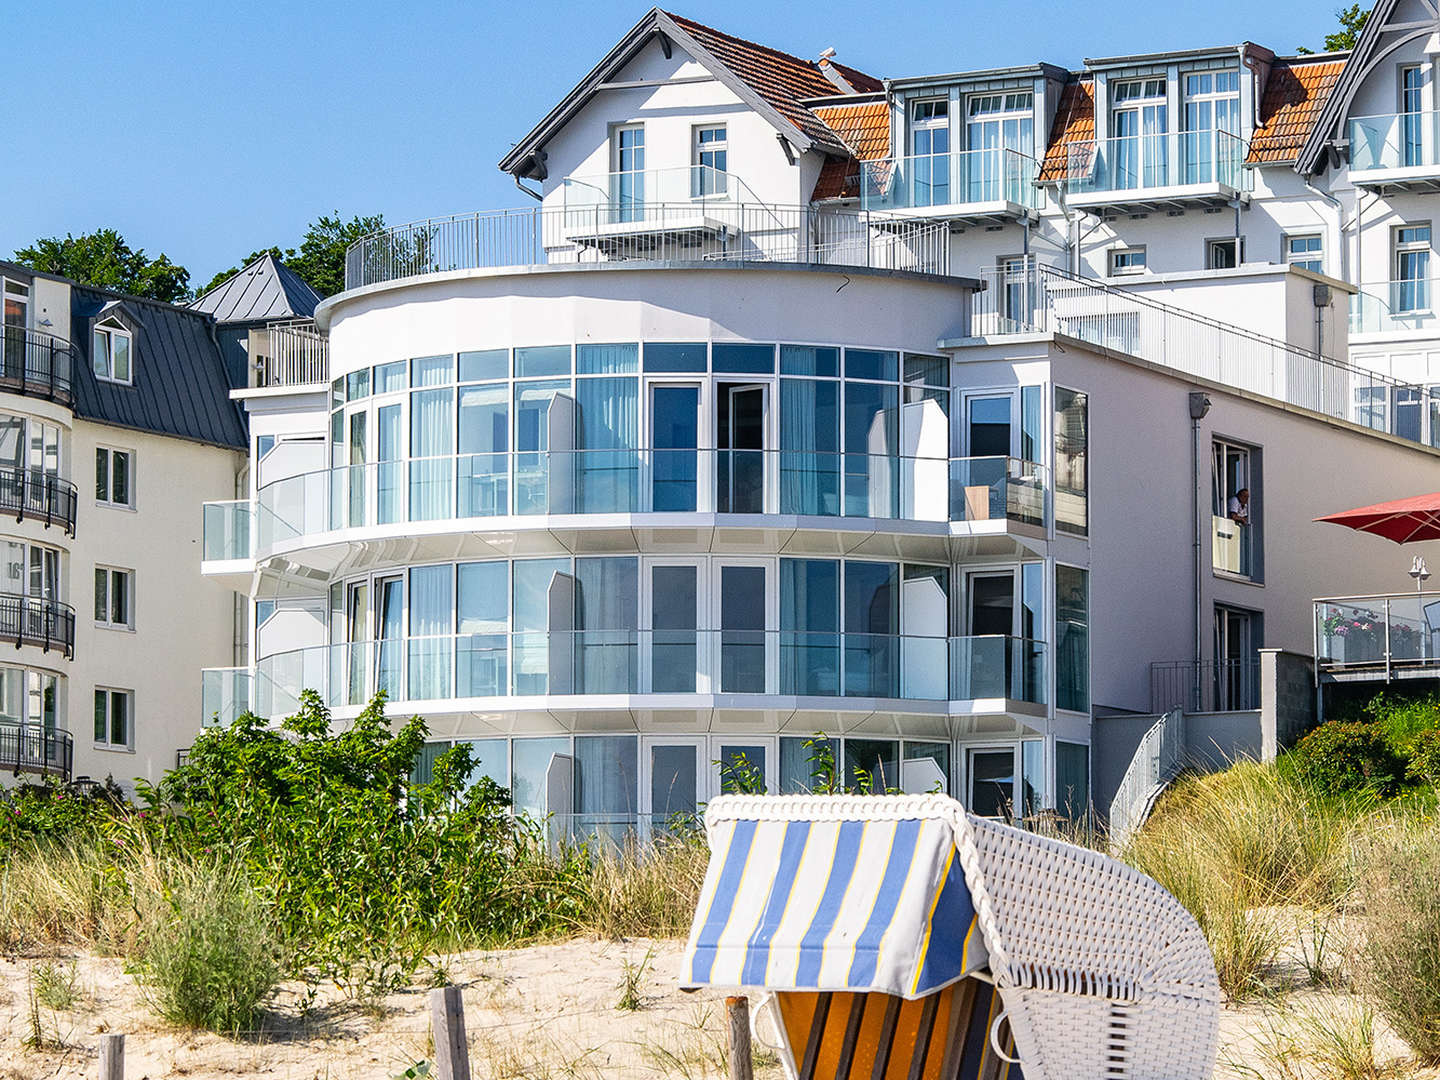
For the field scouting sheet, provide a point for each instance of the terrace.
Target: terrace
(1385, 636)
(1397, 151)
(966, 186)
(1164, 171)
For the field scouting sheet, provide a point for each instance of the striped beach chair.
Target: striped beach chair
(901, 938)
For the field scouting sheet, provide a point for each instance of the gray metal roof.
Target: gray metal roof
(265, 290)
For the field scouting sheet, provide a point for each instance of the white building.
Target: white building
(967, 420)
(114, 421)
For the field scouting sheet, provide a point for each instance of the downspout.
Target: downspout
(1199, 407)
(1339, 224)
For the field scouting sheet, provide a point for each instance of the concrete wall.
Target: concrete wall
(1287, 699)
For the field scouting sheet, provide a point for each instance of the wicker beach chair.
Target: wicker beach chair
(900, 936)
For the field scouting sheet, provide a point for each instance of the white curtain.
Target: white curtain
(431, 646)
(432, 441)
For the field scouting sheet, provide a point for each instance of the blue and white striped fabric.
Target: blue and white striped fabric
(861, 905)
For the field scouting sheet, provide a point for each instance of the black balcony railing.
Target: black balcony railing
(1210, 686)
(35, 494)
(36, 363)
(31, 748)
(33, 620)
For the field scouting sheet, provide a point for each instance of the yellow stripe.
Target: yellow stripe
(965, 950)
(717, 865)
(930, 921)
(986, 1050)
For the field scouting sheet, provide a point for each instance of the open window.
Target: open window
(112, 352)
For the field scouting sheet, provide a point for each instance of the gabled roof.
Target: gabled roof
(771, 82)
(1295, 94)
(1074, 125)
(863, 127)
(265, 290)
(1369, 49)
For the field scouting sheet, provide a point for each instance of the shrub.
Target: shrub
(1344, 757)
(1425, 757)
(209, 955)
(1404, 719)
(1401, 949)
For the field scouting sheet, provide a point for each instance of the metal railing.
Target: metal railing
(1395, 141)
(1380, 632)
(1383, 306)
(1026, 297)
(35, 363)
(1207, 686)
(34, 748)
(224, 695)
(830, 664)
(684, 231)
(1157, 761)
(39, 496)
(960, 178)
(628, 196)
(1172, 159)
(33, 620)
(799, 483)
(289, 354)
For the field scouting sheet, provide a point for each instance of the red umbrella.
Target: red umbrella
(1403, 520)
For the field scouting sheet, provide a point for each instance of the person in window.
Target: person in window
(1239, 507)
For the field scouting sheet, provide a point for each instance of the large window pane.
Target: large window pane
(872, 763)
(432, 370)
(606, 610)
(606, 784)
(532, 443)
(432, 441)
(872, 364)
(431, 644)
(530, 761)
(872, 621)
(481, 615)
(623, 359)
(485, 364)
(531, 638)
(1072, 638)
(1072, 780)
(802, 767)
(809, 360)
(1072, 457)
(675, 356)
(542, 360)
(607, 472)
(492, 760)
(743, 359)
(809, 626)
(673, 655)
(871, 448)
(483, 465)
(809, 446)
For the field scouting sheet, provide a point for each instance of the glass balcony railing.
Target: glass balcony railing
(788, 663)
(634, 482)
(966, 177)
(644, 195)
(1175, 159)
(1395, 141)
(227, 533)
(1231, 546)
(224, 695)
(1378, 631)
(1393, 305)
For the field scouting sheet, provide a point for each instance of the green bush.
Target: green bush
(1425, 757)
(1345, 757)
(1404, 720)
(209, 955)
(1400, 975)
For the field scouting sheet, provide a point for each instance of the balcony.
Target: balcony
(605, 228)
(224, 695)
(33, 620)
(36, 749)
(35, 495)
(986, 494)
(970, 186)
(1383, 636)
(1171, 170)
(1209, 686)
(36, 364)
(1394, 306)
(289, 354)
(677, 664)
(1400, 151)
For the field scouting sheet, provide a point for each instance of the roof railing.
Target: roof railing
(37, 364)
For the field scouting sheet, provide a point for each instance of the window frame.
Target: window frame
(1213, 243)
(111, 328)
(1289, 256)
(107, 499)
(1399, 250)
(110, 574)
(1116, 253)
(107, 742)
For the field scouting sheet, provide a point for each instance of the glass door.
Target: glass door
(1212, 111)
(744, 603)
(1236, 670)
(1000, 129)
(989, 440)
(1138, 133)
(390, 635)
(628, 192)
(390, 470)
(675, 446)
(673, 658)
(742, 419)
(1412, 104)
(743, 764)
(990, 781)
(357, 638)
(17, 318)
(990, 622)
(671, 791)
(355, 474)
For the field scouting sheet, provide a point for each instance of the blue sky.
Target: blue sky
(208, 130)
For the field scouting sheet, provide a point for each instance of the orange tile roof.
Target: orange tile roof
(1074, 124)
(781, 79)
(863, 127)
(1294, 95)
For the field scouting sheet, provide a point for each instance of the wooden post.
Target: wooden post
(742, 1066)
(447, 1019)
(112, 1057)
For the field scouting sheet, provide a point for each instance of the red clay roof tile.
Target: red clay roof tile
(1074, 124)
(1294, 95)
(865, 128)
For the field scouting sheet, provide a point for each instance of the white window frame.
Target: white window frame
(715, 146)
(107, 743)
(111, 329)
(1398, 250)
(1291, 257)
(110, 574)
(1129, 269)
(108, 500)
(1212, 242)
(938, 119)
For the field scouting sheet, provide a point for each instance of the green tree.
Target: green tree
(320, 261)
(104, 259)
(1352, 21)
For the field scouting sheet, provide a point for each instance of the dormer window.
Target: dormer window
(1138, 122)
(111, 352)
(930, 146)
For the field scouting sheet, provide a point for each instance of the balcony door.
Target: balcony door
(989, 441)
(674, 657)
(930, 153)
(742, 424)
(673, 778)
(17, 319)
(1412, 116)
(1237, 639)
(1212, 126)
(675, 447)
(999, 136)
(746, 647)
(390, 635)
(1138, 123)
(357, 640)
(627, 192)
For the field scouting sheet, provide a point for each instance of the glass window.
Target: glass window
(113, 709)
(809, 626)
(1224, 254)
(1072, 638)
(938, 752)
(1407, 412)
(529, 764)
(1370, 406)
(1306, 250)
(110, 352)
(872, 622)
(872, 364)
(431, 620)
(113, 471)
(743, 359)
(482, 619)
(357, 385)
(871, 449)
(872, 764)
(492, 760)
(608, 359)
(675, 356)
(809, 360)
(801, 765)
(531, 584)
(607, 784)
(1032, 776)
(809, 446)
(710, 161)
(542, 360)
(390, 377)
(927, 370)
(606, 623)
(113, 597)
(1072, 780)
(1411, 288)
(484, 364)
(1032, 435)
(432, 370)
(1072, 457)
(1130, 260)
